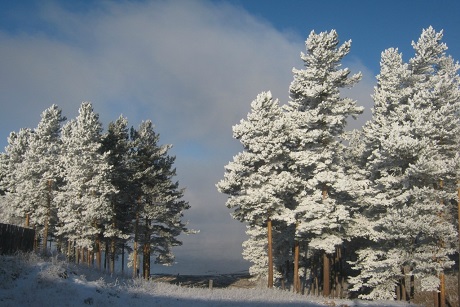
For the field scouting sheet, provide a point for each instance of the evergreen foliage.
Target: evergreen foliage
(86, 188)
(391, 193)
(408, 152)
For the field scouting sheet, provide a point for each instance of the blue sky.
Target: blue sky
(193, 68)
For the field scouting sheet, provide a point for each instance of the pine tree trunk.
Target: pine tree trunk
(98, 251)
(146, 261)
(442, 287)
(326, 263)
(296, 267)
(326, 275)
(338, 271)
(35, 240)
(45, 231)
(270, 254)
(146, 251)
(105, 254)
(69, 249)
(88, 256)
(27, 222)
(135, 264)
(112, 255)
(122, 258)
(47, 218)
(442, 290)
(136, 239)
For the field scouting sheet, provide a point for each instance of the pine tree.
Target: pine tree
(84, 204)
(316, 117)
(12, 167)
(159, 207)
(410, 145)
(258, 182)
(116, 145)
(42, 171)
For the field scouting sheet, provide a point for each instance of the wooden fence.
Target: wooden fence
(14, 238)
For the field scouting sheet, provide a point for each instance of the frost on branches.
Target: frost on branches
(408, 157)
(84, 205)
(391, 192)
(258, 180)
(93, 192)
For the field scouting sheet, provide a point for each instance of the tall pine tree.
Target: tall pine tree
(84, 203)
(408, 162)
(159, 206)
(316, 117)
(258, 180)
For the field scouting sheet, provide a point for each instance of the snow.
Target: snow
(32, 281)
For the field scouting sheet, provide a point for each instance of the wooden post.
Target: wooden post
(296, 267)
(270, 254)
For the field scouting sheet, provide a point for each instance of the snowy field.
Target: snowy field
(31, 281)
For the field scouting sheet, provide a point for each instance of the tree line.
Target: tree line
(374, 207)
(91, 191)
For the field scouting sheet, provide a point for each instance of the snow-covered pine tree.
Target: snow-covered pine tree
(18, 211)
(41, 172)
(410, 145)
(116, 144)
(257, 181)
(159, 206)
(316, 117)
(84, 203)
(255, 250)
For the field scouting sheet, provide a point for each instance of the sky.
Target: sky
(193, 68)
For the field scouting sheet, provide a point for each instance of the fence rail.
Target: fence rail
(14, 238)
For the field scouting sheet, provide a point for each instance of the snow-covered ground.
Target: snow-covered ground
(31, 281)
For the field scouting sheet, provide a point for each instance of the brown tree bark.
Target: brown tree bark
(442, 287)
(27, 222)
(296, 267)
(136, 239)
(270, 254)
(47, 218)
(146, 252)
(326, 275)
